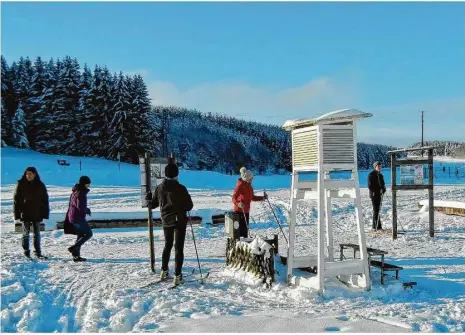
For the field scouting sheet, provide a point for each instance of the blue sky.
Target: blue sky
(270, 62)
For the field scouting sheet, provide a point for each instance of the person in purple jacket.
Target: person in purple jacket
(77, 217)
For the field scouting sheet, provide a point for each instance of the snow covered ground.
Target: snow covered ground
(106, 293)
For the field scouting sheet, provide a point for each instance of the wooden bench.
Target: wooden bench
(356, 247)
(62, 162)
(127, 223)
(218, 219)
(372, 252)
(386, 267)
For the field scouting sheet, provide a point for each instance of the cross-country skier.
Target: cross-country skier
(377, 188)
(242, 196)
(174, 201)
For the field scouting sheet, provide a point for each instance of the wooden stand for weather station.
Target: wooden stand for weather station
(321, 145)
(415, 184)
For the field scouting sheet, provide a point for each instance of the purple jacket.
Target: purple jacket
(78, 205)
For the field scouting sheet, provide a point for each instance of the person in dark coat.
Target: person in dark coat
(377, 188)
(174, 201)
(242, 197)
(76, 217)
(30, 207)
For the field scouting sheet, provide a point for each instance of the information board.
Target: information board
(411, 174)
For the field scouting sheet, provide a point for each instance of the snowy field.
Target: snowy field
(106, 293)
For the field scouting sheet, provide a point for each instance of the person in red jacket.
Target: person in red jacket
(242, 197)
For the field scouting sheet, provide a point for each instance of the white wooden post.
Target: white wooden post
(321, 211)
(360, 225)
(329, 226)
(292, 223)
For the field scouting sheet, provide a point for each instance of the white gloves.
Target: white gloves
(240, 205)
(17, 221)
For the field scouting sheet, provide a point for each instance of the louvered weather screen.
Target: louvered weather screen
(305, 148)
(338, 145)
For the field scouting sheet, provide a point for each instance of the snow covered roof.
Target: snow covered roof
(338, 116)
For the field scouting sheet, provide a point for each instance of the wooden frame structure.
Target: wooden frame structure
(430, 186)
(325, 144)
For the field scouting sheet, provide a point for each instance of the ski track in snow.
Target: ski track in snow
(105, 294)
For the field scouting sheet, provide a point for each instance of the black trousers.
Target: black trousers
(376, 202)
(27, 232)
(243, 225)
(176, 235)
(84, 233)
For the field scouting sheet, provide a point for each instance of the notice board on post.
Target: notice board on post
(155, 166)
(411, 174)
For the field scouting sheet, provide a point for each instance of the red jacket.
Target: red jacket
(244, 193)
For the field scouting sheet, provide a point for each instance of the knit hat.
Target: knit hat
(375, 164)
(84, 180)
(171, 170)
(246, 175)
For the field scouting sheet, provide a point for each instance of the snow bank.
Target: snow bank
(443, 203)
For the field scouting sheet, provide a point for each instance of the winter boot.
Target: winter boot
(79, 259)
(72, 250)
(164, 274)
(178, 279)
(27, 253)
(39, 255)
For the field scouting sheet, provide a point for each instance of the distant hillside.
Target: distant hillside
(222, 143)
(367, 154)
(445, 148)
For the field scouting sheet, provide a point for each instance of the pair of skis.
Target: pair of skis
(193, 280)
(186, 279)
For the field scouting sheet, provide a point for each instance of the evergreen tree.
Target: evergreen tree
(24, 82)
(100, 113)
(64, 106)
(84, 111)
(43, 117)
(7, 102)
(4, 125)
(119, 128)
(143, 137)
(90, 131)
(52, 72)
(39, 85)
(19, 129)
(73, 146)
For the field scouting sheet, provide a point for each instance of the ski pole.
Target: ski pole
(245, 219)
(195, 246)
(276, 218)
(379, 211)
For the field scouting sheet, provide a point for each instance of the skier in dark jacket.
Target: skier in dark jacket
(30, 207)
(377, 188)
(174, 201)
(77, 217)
